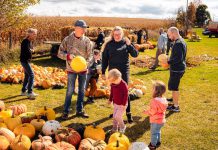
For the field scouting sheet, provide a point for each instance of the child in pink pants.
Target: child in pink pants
(119, 97)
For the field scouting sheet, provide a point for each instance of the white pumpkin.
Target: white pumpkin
(138, 146)
(2, 105)
(8, 134)
(50, 127)
(138, 93)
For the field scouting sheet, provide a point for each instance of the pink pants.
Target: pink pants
(118, 123)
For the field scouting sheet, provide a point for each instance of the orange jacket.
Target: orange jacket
(157, 110)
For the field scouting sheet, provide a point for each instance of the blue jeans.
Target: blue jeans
(70, 90)
(155, 133)
(28, 79)
(87, 80)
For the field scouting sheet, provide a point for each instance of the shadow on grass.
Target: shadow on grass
(17, 100)
(147, 72)
(11, 97)
(49, 62)
(60, 110)
(140, 127)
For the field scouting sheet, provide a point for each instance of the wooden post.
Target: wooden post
(10, 40)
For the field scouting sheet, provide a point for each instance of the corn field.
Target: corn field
(49, 28)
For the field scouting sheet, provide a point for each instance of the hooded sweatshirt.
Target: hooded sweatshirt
(157, 110)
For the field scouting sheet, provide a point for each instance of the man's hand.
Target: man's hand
(103, 77)
(127, 41)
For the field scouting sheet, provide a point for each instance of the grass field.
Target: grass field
(195, 127)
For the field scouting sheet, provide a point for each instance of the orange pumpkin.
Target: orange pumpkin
(4, 144)
(91, 144)
(18, 109)
(6, 113)
(25, 129)
(94, 132)
(46, 84)
(165, 65)
(38, 123)
(116, 146)
(119, 137)
(27, 117)
(8, 134)
(13, 122)
(78, 64)
(68, 135)
(21, 142)
(100, 93)
(42, 143)
(61, 146)
(2, 105)
(46, 113)
(3, 125)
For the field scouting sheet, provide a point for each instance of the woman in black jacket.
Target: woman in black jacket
(116, 55)
(25, 58)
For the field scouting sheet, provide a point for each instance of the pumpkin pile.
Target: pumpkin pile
(143, 61)
(143, 46)
(45, 77)
(29, 130)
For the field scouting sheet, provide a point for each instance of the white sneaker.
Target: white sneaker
(32, 95)
(23, 93)
(123, 130)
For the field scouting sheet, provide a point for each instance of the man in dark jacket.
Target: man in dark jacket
(177, 66)
(25, 58)
(116, 55)
(100, 39)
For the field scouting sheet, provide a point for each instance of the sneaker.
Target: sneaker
(129, 118)
(23, 93)
(158, 144)
(173, 108)
(152, 68)
(170, 99)
(32, 95)
(151, 147)
(110, 116)
(82, 114)
(123, 130)
(90, 100)
(64, 116)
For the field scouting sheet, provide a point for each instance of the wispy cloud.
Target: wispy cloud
(118, 8)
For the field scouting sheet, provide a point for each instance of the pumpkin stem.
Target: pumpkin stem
(38, 118)
(40, 137)
(117, 144)
(120, 134)
(20, 138)
(45, 108)
(94, 125)
(12, 113)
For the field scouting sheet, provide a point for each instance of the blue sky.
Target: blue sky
(157, 9)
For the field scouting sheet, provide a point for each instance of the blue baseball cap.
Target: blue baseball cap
(81, 23)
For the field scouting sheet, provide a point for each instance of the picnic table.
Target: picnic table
(54, 47)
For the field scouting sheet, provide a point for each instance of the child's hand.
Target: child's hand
(109, 102)
(145, 112)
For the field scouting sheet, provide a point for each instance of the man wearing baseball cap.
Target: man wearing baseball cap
(76, 44)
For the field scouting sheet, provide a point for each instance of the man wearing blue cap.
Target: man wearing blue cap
(76, 44)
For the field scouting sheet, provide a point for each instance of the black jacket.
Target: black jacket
(100, 40)
(178, 56)
(93, 69)
(26, 54)
(116, 55)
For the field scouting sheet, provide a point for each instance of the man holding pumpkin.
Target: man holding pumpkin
(76, 44)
